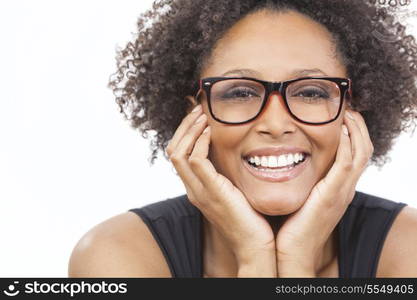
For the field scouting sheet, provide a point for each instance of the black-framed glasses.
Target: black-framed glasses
(310, 100)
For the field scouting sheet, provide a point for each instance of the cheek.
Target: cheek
(325, 143)
(225, 147)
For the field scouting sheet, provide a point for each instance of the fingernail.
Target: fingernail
(345, 130)
(197, 108)
(200, 119)
(350, 115)
(207, 129)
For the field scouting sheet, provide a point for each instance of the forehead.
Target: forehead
(275, 44)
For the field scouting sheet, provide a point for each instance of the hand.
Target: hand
(301, 238)
(225, 207)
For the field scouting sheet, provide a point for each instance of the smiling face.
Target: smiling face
(274, 47)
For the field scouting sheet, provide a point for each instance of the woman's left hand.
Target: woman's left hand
(300, 240)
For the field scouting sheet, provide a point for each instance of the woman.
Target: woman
(269, 111)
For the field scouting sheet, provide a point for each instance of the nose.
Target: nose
(274, 117)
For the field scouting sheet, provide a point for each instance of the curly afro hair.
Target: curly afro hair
(175, 38)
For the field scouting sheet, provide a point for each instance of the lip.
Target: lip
(278, 176)
(275, 151)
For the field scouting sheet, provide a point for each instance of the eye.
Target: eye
(311, 94)
(240, 93)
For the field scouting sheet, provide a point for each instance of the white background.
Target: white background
(68, 160)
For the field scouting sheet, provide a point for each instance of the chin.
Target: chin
(278, 203)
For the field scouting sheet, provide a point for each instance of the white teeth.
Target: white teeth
(272, 162)
(290, 159)
(264, 161)
(299, 157)
(296, 157)
(282, 160)
(276, 161)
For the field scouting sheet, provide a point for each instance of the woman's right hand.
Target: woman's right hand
(224, 205)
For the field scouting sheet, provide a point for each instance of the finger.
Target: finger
(324, 200)
(343, 162)
(180, 155)
(182, 129)
(354, 132)
(199, 162)
(364, 130)
(186, 144)
(201, 147)
(360, 145)
(217, 184)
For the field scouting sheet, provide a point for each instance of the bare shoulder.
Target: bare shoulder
(399, 253)
(121, 246)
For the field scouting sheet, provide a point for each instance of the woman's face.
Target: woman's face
(276, 47)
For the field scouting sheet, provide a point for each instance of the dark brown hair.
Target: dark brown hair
(159, 67)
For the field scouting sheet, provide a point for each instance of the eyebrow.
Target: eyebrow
(294, 73)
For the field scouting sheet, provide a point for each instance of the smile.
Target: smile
(276, 173)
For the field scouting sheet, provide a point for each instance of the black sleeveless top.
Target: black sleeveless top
(176, 225)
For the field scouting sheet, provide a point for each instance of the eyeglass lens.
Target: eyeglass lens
(310, 100)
